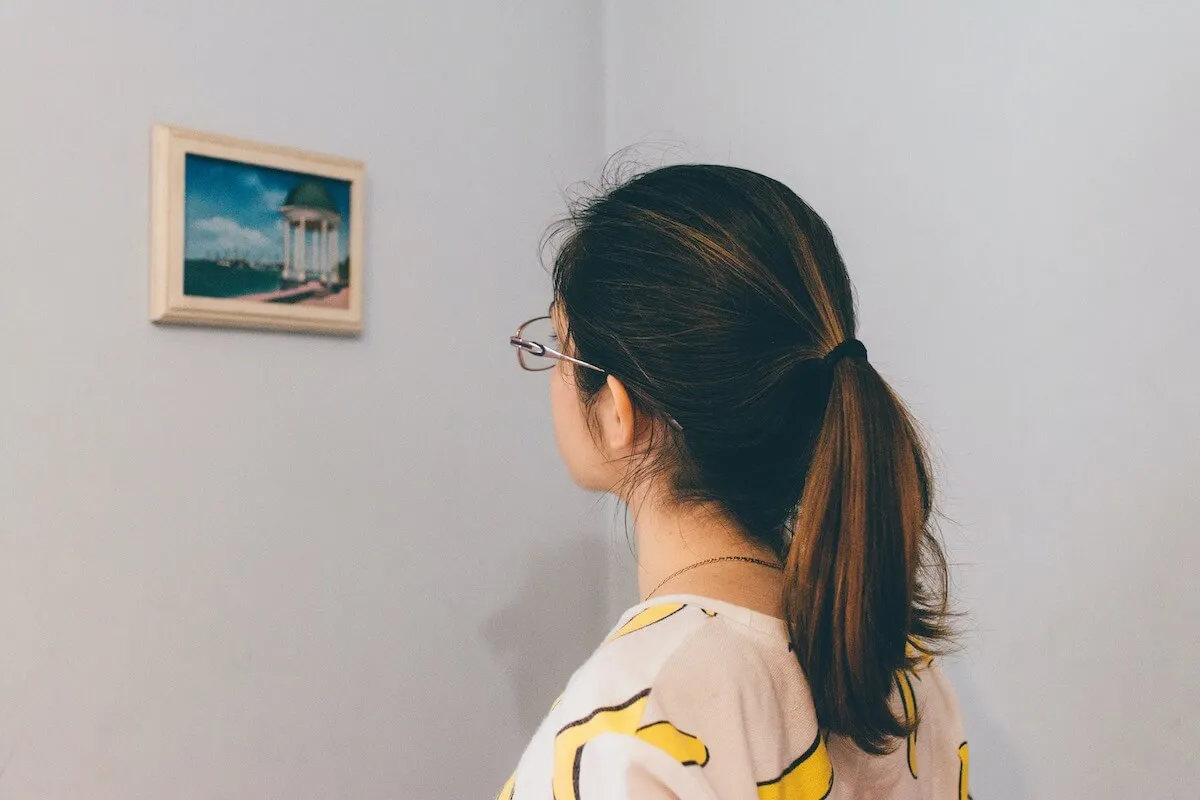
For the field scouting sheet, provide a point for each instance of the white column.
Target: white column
(298, 253)
(287, 228)
(325, 251)
(316, 252)
(335, 254)
(315, 272)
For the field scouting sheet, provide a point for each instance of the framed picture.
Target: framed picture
(254, 236)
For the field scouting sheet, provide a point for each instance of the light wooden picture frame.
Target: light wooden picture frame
(250, 235)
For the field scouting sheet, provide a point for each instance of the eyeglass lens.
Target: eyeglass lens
(541, 331)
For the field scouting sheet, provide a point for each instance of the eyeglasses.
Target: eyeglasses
(537, 347)
(537, 342)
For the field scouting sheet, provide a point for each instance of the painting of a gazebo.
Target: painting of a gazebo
(263, 235)
(269, 237)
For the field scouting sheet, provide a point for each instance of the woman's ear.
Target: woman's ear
(618, 419)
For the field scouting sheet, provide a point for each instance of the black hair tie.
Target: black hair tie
(851, 348)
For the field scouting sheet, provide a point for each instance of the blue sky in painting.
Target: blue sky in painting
(232, 209)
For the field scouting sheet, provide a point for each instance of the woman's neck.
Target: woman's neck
(672, 537)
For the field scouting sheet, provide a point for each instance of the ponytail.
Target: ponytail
(854, 598)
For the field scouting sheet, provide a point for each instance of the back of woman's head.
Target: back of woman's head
(715, 294)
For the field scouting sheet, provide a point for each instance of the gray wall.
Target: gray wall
(206, 589)
(1014, 185)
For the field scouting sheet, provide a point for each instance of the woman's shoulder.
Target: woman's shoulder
(696, 661)
(634, 653)
(707, 686)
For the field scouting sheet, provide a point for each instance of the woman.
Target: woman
(706, 371)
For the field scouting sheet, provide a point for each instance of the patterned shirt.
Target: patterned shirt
(694, 699)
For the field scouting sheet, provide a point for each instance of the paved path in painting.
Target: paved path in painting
(287, 295)
(312, 293)
(338, 300)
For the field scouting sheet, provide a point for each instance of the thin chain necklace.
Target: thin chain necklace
(690, 567)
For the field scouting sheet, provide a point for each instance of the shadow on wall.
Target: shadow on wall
(1004, 776)
(556, 619)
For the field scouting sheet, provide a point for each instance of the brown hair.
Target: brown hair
(715, 293)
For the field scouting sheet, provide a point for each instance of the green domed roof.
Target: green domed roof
(310, 194)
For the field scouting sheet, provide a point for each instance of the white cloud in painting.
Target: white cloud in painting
(226, 235)
(272, 199)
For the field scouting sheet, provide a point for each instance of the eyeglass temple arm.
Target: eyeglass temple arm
(539, 349)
